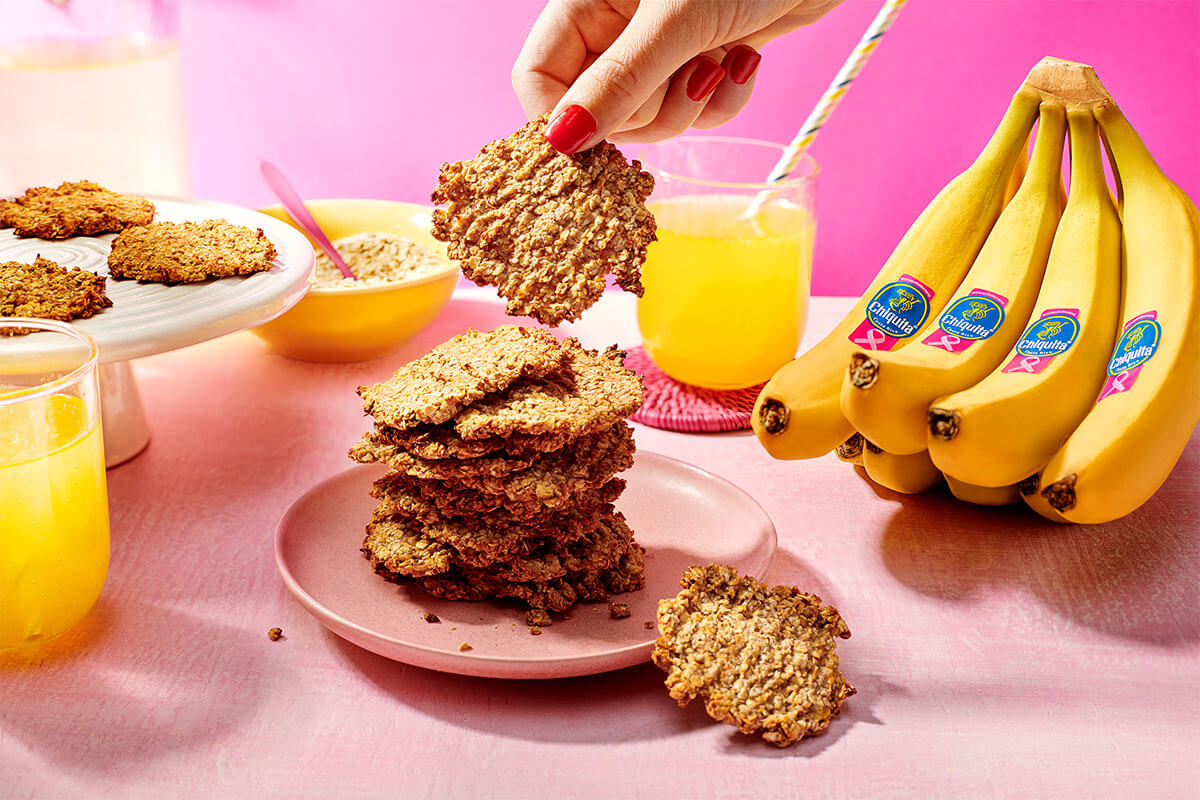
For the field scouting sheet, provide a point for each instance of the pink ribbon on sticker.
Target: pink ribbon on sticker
(871, 338)
(1031, 364)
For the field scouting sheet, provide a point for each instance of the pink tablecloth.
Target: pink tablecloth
(994, 654)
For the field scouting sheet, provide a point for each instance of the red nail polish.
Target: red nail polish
(704, 78)
(741, 62)
(567, 132)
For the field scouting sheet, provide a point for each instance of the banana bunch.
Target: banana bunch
(1020, 343)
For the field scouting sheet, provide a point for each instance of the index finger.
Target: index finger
(565, 39)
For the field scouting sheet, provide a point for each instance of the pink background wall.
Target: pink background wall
(367, 98)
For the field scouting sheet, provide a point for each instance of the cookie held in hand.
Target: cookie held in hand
(546, 229)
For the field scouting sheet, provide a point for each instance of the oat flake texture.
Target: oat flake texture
(545, 228)
(763, 658)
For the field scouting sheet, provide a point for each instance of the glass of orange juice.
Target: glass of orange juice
(53, 499)
(726, 291)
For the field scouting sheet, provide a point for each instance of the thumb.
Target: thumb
(658, 40)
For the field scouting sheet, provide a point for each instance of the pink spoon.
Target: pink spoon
(291, 201)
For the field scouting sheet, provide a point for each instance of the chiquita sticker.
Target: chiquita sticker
(1051, 335)
(896, 312)
(968, 320)
(1137, 345)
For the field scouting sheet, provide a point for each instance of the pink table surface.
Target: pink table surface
(995, 655)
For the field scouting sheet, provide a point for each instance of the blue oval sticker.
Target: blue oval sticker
(1135, 347)
(973, 317)
(898, 309)
(1049, 336)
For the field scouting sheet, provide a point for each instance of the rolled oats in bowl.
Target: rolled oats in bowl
(376, 257)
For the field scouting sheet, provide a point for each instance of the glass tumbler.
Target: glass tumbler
(726, 292)
(53, 498)
(92, 89)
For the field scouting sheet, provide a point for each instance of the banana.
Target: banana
(907, 474)
(1007, 427)
(798, 414)
(1029, 491)
(983, 495)
(850, 450)
(886, 395)
(1149, 403)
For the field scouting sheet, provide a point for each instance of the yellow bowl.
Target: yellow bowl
(359, 323)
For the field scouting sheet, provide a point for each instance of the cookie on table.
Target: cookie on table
(79, 208)
(46, 290)
(590, 393)
(763, 658)
(544, 228)
(456, 373)
(189, 252)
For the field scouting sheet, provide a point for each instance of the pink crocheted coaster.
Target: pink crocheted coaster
(677, 406)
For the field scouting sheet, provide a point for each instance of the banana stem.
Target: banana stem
(1068, 81)
(1122, 138)
(1087, 168)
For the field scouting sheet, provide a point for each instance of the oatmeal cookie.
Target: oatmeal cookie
(456, 373)
(441, 441)
(552, 479)
(375, 446)
(431, 504)
(189, 252)
(559, 594)
(764, 659)
(45, 290)
(590, 393)
(401, 547)
(79, 208)
(477, 471)
(544, 228)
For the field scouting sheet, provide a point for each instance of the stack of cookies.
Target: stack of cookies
(503, 449)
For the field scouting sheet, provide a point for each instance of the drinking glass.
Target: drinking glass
(53, 499)
(92, 89)
(726, 293)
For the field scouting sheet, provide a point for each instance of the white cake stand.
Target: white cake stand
(150, 318)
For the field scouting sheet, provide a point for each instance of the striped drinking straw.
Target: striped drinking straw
(833, 95)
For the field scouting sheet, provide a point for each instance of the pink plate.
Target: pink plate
(681, 514)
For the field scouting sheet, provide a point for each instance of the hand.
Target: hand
(645, 70)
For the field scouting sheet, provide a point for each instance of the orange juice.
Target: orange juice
(726, 298)
(53, 518)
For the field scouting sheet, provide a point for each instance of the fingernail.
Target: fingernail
(741, 62)
(567, 132)
(704, 78)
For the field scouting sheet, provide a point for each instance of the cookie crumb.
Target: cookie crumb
(534, 630)
(648, 625)
(537, 617)
(275, 634)
(619, 610)
(464, 647)
(432, 617)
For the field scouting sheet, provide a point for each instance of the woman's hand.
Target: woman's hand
(646, 70)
